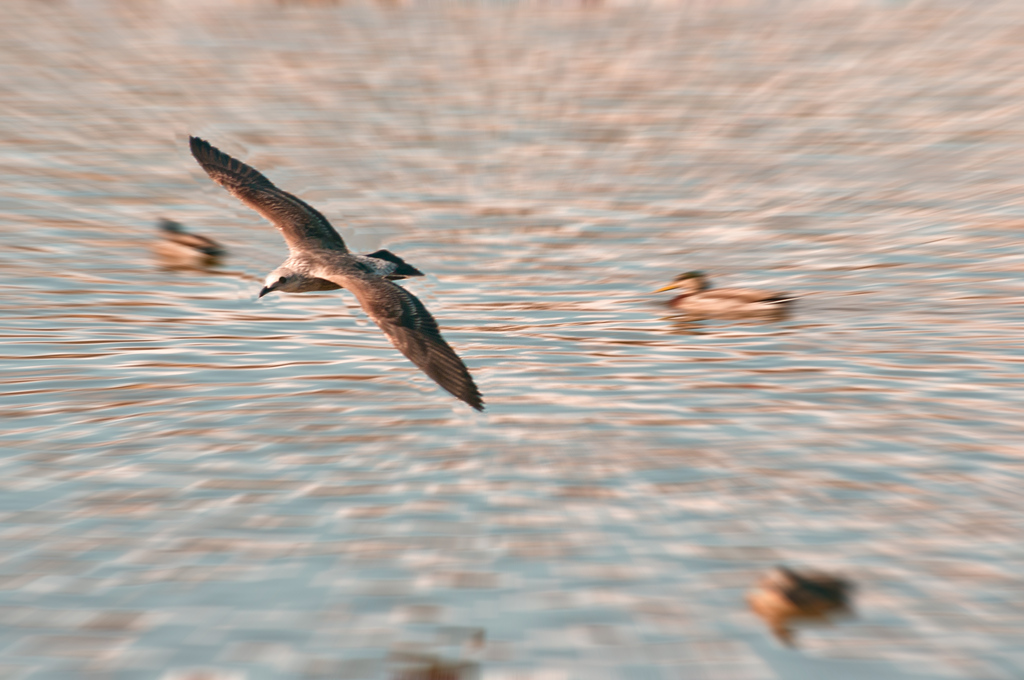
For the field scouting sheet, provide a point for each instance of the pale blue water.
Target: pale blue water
(194, 479)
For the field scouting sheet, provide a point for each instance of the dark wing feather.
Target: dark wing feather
(748, 295)
(809, 590)
(414, 333)
(302, 226)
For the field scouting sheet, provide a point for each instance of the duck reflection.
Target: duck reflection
(412, 666)
(464, 643)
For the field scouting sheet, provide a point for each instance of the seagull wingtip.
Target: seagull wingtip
(198, 146)
(195, 145)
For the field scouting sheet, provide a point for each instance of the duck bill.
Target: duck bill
(264, 291)
(671, 286)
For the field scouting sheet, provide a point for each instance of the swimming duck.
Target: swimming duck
(179, 249)
(699, 299)
(786, 596)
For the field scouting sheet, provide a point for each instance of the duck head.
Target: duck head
(688, 283)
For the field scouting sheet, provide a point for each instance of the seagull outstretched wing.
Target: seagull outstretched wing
(302, 226)
(412, 330)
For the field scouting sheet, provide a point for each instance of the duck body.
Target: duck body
(178, 249)
(698, 299)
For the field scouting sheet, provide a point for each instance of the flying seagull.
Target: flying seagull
(318, 260)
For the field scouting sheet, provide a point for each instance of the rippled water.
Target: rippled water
(196, 479)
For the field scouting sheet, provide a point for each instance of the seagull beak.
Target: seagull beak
(264, 291)
(674, 284)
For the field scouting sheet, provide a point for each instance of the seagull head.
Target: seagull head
(284, 280)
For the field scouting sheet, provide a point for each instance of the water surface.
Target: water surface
(192, 478)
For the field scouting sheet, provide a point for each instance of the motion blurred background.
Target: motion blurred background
(195, 484)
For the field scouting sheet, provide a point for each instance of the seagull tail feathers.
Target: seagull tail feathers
(404, 268)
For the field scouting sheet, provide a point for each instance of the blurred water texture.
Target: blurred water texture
(192, 479)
